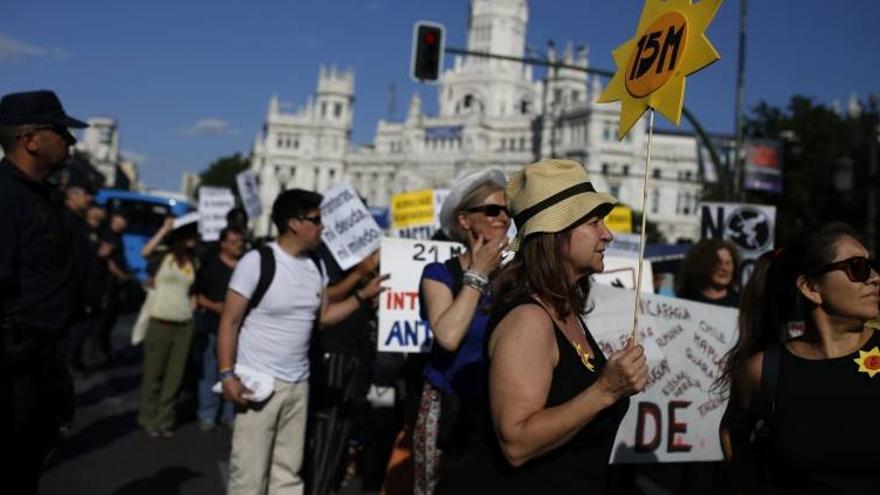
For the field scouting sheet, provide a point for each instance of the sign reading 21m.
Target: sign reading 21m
(401, 327)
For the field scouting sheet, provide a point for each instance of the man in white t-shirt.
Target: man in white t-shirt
(268, 439)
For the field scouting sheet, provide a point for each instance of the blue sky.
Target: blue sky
(190, 81)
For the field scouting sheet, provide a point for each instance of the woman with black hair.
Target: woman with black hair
(554, 400)
(805, 368)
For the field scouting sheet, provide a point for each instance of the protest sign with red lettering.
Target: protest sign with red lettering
(401, 328)
(676, 418)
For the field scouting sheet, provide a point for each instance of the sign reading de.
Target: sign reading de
(401, 327)
(657, 54)
(214, 204)
(676, 418)
(749, 227)
(350, 231)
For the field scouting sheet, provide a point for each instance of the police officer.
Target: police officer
(36, 300)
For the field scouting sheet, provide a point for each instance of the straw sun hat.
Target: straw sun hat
(550, 196)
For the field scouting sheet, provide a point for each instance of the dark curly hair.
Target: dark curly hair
(695, 273)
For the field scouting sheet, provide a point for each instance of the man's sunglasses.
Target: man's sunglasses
(57, 129)
(857, 268)
(315, 219)
(489, 210)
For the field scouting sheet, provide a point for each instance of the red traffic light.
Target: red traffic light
(427, 54)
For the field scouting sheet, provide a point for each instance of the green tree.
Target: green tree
(818, 145)
(222, 171)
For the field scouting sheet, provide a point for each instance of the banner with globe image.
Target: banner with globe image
(751, 228)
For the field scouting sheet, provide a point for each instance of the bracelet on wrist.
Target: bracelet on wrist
(227, 374)
(357, 296)
(476, 281)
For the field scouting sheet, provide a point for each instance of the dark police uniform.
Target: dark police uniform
(36, 306)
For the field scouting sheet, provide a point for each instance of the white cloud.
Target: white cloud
(13, 49)
(210, 127)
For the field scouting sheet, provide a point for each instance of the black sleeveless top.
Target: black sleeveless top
(825, 431)
(579, 466)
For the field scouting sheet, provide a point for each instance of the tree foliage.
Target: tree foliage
(818, 145)
(222, 171)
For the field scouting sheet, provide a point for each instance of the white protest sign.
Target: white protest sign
(350, 232)
(676, 418)
(401, 328)
(749, 227)
(621, 271)
(250, 195)
(214, 204)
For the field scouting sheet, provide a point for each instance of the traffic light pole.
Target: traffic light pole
(701, 133)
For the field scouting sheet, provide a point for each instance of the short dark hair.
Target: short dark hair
(230, 230)
(293, 203)
(236, 212)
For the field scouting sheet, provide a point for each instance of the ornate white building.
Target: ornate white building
(492, 113)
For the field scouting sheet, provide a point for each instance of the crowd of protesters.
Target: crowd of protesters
(516, 395)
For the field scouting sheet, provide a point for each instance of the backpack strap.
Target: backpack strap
(454, 267)
(316, 259)
(267, 273)
(769, 380)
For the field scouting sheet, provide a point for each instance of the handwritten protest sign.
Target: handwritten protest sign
(250, 196)
(350, 232)
(214, 204)
(416, 214)
(401, 328)
(676, 418)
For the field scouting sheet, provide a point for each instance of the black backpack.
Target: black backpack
(267, 273)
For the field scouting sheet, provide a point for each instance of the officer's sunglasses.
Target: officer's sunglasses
(57, 129)
(315, 219)
(857, 268)
(489, 210)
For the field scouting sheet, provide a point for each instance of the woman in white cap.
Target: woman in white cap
(454, 298)
(555, 401)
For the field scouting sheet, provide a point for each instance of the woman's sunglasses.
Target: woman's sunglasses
(857, 268)
(489, 210)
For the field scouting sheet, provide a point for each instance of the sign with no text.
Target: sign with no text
(250, 196)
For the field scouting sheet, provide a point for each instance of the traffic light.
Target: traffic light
(427, 54)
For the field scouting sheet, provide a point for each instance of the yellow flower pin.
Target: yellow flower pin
(869, 362)
(670, 44)
(585, 356)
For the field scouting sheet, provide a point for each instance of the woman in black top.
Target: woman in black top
(807, 304)
(555, 401)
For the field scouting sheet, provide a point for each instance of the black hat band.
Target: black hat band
(524, 216)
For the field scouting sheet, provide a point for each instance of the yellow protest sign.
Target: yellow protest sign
(669, 45)
(412, 208)
(620, 219)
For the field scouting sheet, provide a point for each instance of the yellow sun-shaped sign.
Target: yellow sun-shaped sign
(869, 362)
(670, 44)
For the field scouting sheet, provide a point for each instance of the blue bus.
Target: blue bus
(145, 213)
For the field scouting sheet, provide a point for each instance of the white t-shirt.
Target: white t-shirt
(274, 338)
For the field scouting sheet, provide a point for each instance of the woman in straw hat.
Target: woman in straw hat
(555, 401)
(454, 299)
